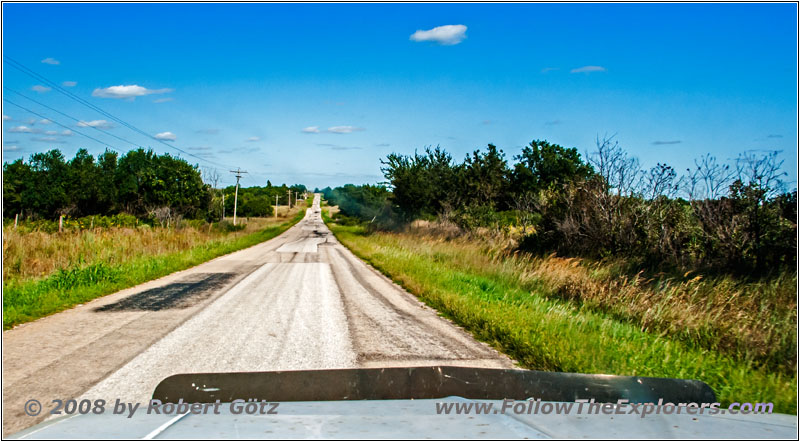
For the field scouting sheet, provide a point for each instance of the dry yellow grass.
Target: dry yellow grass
(753, 320)
(574, 315)
(33, 255)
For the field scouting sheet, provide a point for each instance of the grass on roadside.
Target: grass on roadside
(520, 314)
(26, 299)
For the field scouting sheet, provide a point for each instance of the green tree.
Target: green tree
(46, 194)
(542, 164)
(82, 183)
(486, 178)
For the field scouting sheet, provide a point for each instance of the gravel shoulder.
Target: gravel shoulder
(298, 301)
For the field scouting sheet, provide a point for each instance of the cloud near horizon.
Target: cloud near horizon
(588, 69)
(69, 83)
(446, 35)
(127, 91)
(337, 147)
(166, 136)
(101, 124)
(50, 60)
(40, 89)
(661, 143)
(344, 129)
(311, 130)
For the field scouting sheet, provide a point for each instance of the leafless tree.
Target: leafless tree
(661, 180)
(762, 172)
(162, 214)
(525, 204)
(620, 171)
(211, 176)
(709, 179)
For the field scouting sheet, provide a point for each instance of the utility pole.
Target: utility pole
(289, 201)
(238, 175)
(223, 205)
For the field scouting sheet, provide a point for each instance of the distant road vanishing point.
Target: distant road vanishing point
(298, 301)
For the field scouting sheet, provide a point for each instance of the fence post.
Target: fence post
(60, 223)
(16, 218)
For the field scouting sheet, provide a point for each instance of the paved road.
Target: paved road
(298, 301)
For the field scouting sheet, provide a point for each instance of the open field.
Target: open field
(44, 273)
(566, 315)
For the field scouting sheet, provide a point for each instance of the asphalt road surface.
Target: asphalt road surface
(298, 301)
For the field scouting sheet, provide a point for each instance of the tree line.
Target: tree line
(735, 216)
(140, 183)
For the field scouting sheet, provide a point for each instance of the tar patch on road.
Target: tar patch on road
(182, 294)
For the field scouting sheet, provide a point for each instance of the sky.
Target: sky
(318, 94)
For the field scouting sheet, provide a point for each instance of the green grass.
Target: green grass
(546, 333)
(29, 300)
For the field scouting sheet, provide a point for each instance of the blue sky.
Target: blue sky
(237, 84)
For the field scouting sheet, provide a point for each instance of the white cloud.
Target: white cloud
(10, 148)
(40, 89)
(123, 91)
(21, 129)
(69, 83)
(163, 100)
(587, 69)
(241, 150)
(252, 139)
(344, 129)
(45, 121)
(50, 60)
(337, 147)
(311, 130)
(167, 136)
(51, 132)
(6, 118)
(66, 133)
(444, 35)
(101, 124)
(44, 139)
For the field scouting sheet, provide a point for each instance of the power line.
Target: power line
(72, 118)
(19, 66)
(22, 68)
(65, 127)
